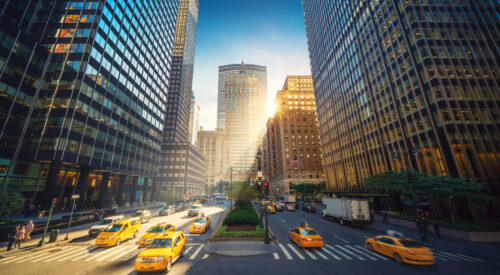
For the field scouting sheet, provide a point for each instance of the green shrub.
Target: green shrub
(222, 233)
(241, 215)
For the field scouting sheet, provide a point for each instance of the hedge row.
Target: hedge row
(241, 215)
(222, 233)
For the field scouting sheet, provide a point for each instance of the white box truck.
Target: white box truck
(290, 198)
(347, 211)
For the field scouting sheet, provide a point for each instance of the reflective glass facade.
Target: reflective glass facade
(395, 76)
(84, 88)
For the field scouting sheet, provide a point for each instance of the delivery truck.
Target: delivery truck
(290, 198)
(347, 211)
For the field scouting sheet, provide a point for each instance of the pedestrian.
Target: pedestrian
(101, 214)
(29, 228)
(435, 226)
(19, 236)
(12, 237)
(384, 217)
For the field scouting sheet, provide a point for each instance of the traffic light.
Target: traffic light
(54, 201)
(266, 185)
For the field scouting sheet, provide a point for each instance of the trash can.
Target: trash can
(54, 233)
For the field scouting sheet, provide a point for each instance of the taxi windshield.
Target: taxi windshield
(200, 220)
(160, 243)
(195, 207)
(136, 214)
(408, 243)
(308, 232)
(105, 221)
(155, 229)
(113, 228)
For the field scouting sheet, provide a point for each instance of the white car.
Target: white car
(100, 226)
(290, 207)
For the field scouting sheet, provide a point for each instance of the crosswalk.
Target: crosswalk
(354, 252)
(195, 251)
(70, 254)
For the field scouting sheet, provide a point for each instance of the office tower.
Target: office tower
(181, 78)
(406, 84)
(174, 173)
(245, 117)
(293, 146)
(84, 86)
(211, 144)
(194, 120)
(227, 71)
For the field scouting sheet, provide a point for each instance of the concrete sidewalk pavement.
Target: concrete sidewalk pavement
(240, 248)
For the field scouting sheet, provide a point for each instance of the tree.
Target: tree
(10, 202)
(165, 196)
(245, 194)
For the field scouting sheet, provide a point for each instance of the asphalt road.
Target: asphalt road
(79, 256)
(343, 253)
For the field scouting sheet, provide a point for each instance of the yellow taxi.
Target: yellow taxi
(401, 249)
(161, 253)
(118, 232)
(264, 202)
(270, 209)
(305, 236)
(200, 225)
(154, 232)
(256, 201)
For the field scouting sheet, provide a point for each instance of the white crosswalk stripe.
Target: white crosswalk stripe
(196, 252)
(287, 255)
(85, 255)
(188, 249)
(372, 253)
(102, 252)
(309, 254)
(445, 256)
(321, 254)
(119, 256)
(473, 259)
(84, 252)
(205, 256)
(25, 258)
(276, 256)
(75, 251)
(439, 258)
(338, 252)
(457, 256)
(112, 253)
(53, 254)
(362, 252)
(296, 252)
(348, 251)
(331, 254)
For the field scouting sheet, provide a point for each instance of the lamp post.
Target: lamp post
(266, 238)
(231, 186)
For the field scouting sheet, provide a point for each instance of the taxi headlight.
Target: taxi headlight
(111, 237)
(146, 240)
(160, 258)
(138, 260)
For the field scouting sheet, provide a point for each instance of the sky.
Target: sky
(263, 32)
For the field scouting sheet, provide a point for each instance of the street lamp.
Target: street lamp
(231, 186)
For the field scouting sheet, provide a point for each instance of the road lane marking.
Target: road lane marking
(340, 238)
(321, 254)
(446, 257)
(131, 255)
(84, 252)
(276, 256)
(439, 258)
(331, 254)
(296, 252)
(283, 220)
(309, 254)
(112, 253)
(285, 251)
(456, 256)
(372, 253)
(26, 259)
(49, 255)
(338, 252)
(196, 252)
(474, 259)
(76, 251)
(122, 254)
(367, 255)
(85, 255)
(109, 250)
(187, 250)
(205, 256)
(348, 251)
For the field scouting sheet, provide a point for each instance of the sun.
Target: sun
(271, 107)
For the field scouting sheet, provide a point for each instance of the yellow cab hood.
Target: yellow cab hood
(107, 234)
(155, 252)
(150, 235)
(195, 224)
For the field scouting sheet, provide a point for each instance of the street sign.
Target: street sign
(75, 196)
(259, 174)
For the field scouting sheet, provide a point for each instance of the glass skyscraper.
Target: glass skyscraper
(227, 71)
(83, 88)
(393, 77)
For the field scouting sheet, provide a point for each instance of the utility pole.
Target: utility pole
(74, 197)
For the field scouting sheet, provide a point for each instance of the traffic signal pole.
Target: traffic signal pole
(42, 241)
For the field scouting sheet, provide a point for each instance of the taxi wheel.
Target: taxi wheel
(397, 258)
(369, 246)
(182, 252)
(169, 265)
(117, 242)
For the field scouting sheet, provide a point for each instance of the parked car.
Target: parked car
(100, 226)
(167, 211)
(308, 208)
(144, 215)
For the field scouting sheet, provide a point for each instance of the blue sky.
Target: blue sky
(263, 32)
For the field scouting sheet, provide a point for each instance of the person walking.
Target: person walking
(435, 226)
(19, 236)
(12, 237)
(29, 228)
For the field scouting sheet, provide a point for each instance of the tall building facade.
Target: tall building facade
(292, 136)
(172, 174)
(227, 71)
(245, 117)
(211, 144)
(194, 120)
(83, 89)
(392, 77)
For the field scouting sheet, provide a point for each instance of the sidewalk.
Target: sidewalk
(240, 248)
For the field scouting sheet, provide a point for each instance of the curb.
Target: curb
(217, 227)
(243, 255)
(273, 237)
